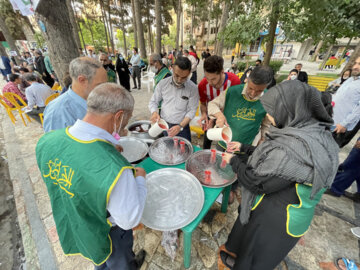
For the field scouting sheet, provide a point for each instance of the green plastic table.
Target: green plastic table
(210, 196)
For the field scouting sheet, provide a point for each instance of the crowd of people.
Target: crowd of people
(284, 147)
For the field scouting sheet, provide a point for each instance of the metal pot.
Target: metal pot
(143, 135)
(134, 150)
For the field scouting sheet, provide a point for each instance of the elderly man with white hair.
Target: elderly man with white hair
(86, 73)
(157, 66)
(97, 197)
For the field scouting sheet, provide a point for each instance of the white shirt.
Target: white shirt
(127, 199)
(37, 93)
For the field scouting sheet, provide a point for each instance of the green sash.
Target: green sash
(79, 176)
(161, 75)
(243, 116)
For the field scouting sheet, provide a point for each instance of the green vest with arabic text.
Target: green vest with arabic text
(79, 176)
(243, 116)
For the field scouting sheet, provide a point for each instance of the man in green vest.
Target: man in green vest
(240, 108)
(97, 197)
(158, 67)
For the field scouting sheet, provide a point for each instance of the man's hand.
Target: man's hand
(357, 144)
(227, 157)
(140, 172)
(221, 121)
(233, 147)
(204, 118)
(119, 148)
(339, 129)
(174, 131)
(210, 124)
(154, 117)
(52, 76)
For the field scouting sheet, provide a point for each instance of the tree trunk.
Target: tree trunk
(2, 50)
(224, 18)
(209, 26)
(192, 25)
(134, 24)
(104, 21)
(182, 28)
(82, 38)
(326, 57)
(110, 28)
(178, 17)
(343, 54)
(272, 30)
(56, 19)
(140, 31)
(151, 46)
(73, 21)
(317, 51)
(123, 29)
(91, 32)
(158, 26)
(8, 37)
(354, 56)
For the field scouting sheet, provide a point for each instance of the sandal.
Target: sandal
(227, 259)
(349, 264)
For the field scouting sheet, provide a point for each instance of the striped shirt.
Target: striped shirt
(207, 92)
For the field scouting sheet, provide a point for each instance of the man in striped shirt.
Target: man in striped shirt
(212, 85)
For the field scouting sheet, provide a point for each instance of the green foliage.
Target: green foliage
(93, 33)
(12, 19)
(130, 41)
(169, 40)
(275, 65)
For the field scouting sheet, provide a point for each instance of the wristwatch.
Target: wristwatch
(181, 127)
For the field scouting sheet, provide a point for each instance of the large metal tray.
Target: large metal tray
(134, 149)
(199, 162)
(174, 199)
(163, 152)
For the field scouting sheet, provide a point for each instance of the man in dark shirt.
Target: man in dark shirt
(303, 77)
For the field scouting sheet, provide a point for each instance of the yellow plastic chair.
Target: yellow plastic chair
(8, 109)
(240, 74)
(51, 97)
(56, 87)
(14, 98)
(47, 101)
(198, 130)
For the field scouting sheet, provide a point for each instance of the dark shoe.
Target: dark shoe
(331, 193)
(352, 196)
(227, 259)
(134, 87)
(140, 258)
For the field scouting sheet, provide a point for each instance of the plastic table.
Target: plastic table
(210, 196)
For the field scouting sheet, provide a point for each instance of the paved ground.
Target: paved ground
(329, 236)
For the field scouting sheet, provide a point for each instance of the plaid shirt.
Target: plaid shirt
(12, 87)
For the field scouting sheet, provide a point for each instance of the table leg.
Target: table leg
(187, 249)
(225, 200)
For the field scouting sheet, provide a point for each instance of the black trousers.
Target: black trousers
(136, 73)
(122, 256)
(34, 114)
(343, 139)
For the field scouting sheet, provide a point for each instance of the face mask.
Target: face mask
(153, 69)
(116, 131)
(293, 77)
(121, 58)
(345, 78)
(178, 85)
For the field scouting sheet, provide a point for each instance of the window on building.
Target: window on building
(254, 46)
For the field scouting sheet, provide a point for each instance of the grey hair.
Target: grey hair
(109, 98)
(156, 57)
(84, 66)
(30, 77)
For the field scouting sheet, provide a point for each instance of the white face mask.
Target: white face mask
(178, 85)
(153, 69)
(116, 131)
(345, 78)
(293, 77)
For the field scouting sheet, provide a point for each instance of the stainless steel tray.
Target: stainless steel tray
(174, 199)
(163, 152)
(133, 149)
(199, 162)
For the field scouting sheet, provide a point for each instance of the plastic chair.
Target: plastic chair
(148, 78)
(14, 98)
(51, 97)
(56, 87)
(194, 125)
(8, 109)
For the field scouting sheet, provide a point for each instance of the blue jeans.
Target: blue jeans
(122, 256)
(349, 171)
(185, 133)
